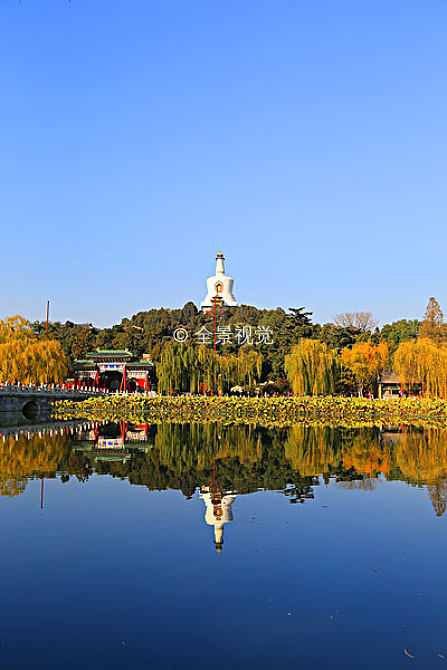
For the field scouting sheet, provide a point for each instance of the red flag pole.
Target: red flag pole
(48, 313)
(123, 385)
(215, 324)
(123, 427)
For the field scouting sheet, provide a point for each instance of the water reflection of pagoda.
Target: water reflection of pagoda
(218, 511)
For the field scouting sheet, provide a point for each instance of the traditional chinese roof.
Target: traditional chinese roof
(110, 353)
(84, 365)
(390, 377)
(140, 364)
(121, 356)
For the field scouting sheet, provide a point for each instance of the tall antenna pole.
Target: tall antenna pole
(48, 313)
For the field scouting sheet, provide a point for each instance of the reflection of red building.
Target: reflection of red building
(112, 441)
(114, 370)
(108, 435)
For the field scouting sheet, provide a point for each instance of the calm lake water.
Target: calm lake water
(186, 546)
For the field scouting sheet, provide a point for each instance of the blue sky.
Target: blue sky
(306, 138)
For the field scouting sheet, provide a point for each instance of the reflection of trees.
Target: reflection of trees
(313, 450)
(422, 458)
(24, 457)
(366, 454)
(344, 453)
(357, 484)
(246, 457)
(438, 495)
(76, 464)
(422, 455)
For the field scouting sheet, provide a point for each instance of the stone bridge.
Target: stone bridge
(31, 404)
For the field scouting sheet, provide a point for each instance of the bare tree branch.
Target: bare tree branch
(364, 321)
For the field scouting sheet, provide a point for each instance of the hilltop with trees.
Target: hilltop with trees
(344, 356)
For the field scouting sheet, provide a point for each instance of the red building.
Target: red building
(114, 371)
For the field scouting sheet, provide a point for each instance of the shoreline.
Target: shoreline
(268, 411)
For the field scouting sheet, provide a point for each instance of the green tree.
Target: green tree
(338, 338)
(84, 342)
(400, 331)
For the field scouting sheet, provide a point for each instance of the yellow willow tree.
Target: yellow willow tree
(365, 360)
(185, 368)
(249, 367)
(311, 368)
(423, 361)
(26, 358)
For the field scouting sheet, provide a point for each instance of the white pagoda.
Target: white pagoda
(220, 286)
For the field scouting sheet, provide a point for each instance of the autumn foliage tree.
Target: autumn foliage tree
(25, 456)
(433, 325)
(365, 360)
(26, 358)
(423, 361)
(311, 368)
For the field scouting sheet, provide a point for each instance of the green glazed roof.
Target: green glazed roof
(109, 352)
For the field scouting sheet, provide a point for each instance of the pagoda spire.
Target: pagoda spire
(220, 269)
